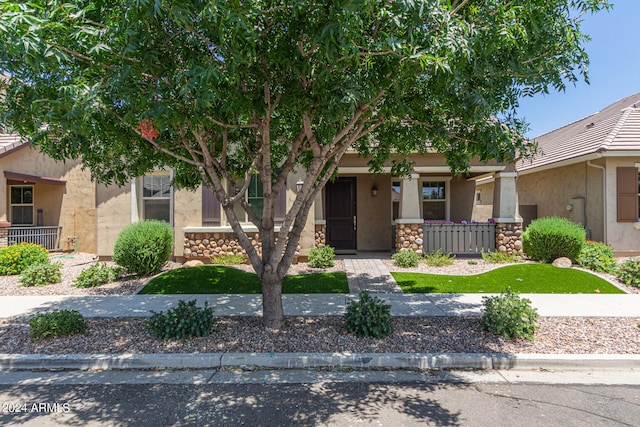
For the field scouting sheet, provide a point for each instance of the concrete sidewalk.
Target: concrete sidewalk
(561, 305)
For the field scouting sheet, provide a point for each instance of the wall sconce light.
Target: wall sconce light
(374, 190)
(569, 207)
(299, 185)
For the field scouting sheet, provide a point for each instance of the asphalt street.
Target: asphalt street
(319, 398)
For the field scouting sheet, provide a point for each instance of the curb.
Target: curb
(425, 361)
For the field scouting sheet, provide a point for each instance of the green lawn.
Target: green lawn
(215, 279)
(524, 278)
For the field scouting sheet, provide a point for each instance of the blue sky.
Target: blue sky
(614, 71)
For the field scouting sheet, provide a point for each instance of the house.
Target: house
(588, 172)
(58, 205)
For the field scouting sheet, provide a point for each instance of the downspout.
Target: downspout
(604, 197)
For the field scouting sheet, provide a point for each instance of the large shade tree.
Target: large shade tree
(222, 90)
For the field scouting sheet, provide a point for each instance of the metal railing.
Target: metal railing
(46, 236)
(459, 238)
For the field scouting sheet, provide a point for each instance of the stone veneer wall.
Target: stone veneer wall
(207, 245)
(4, 233)
(409, 237)
(509, 237)
(321, 235)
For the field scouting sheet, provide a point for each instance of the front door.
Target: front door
(341, 213)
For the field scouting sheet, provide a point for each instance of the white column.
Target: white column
(410, 201)
(505, 198)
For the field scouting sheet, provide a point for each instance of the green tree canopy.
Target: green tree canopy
(219, 90)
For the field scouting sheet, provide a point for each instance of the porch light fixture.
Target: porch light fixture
(299, 185)
(374, 190)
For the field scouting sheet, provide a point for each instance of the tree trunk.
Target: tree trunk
(272, 311)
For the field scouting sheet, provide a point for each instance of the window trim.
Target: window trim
(143, 198)
(447, 195)
(32, 204)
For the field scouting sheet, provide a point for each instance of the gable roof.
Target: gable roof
(616, 128)
(9, 143)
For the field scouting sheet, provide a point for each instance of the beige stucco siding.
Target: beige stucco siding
(373, 212)
(462, 197)
(62, 205)
(187, 212)
(113, 214)
(578, 186)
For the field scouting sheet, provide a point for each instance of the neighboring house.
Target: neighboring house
(356, 212)
(588, 172)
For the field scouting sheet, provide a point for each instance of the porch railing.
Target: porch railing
(459, 238)
(46, 236)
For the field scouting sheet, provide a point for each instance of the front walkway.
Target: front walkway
(370, 275)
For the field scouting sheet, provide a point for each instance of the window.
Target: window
(21, 203)
(434, 200)
(156, 196)
(628, 194)
(395, 199)
(255, 198)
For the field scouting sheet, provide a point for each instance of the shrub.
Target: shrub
(629, 272)
(14, 259)
(546, 239)
(56, 323)
(596, 256)
(438, 258)
(368, 317)
(96, 275)
(229, 259)
(509, 315)
(406, 258)
(183, 322)
(143, 247)
(497, 257)
(321, 257)
(41, 274)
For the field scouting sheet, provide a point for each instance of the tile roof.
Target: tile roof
(9, 142)
(616, 128)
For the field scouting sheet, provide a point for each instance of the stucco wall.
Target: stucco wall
(483, 208)
(374, 213)
(113, 214)
(553, 190)
(462, 196)
(623, 236)
(63, 205)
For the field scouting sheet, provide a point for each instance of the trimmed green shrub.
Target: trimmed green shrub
(142, 248)
(629, 272)
(229, 259)
(368, 317)
(321, 257)
(596, 256)
(497, 257)
(406, 258)
(41, 274)
(182, 322)
(96, 275)
(56, 323)
(14, 259)
(509, 315)
(438, 259)
(546, 239)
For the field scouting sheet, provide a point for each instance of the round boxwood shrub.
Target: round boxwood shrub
(546, 239)
(143, 247)
(14, 259)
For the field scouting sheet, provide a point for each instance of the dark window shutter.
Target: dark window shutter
(281, 206)
(627, 191)
(210, 208)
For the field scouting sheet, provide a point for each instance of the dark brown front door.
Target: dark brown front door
(341, 214)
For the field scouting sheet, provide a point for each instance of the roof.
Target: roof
(616, 128)
(10, 142)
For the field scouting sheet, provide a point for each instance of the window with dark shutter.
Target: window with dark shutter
(210, 208)
(627, 194)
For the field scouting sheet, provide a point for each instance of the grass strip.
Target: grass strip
(216, 279)
(523, 278)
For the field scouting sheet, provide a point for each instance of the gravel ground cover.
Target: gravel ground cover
(314, 334)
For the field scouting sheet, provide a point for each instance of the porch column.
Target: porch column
(4, 233)
(320, 222)
(505, 213)
(409, 234)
